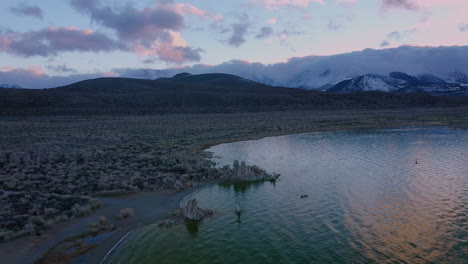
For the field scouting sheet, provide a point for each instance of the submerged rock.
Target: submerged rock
(192, 212)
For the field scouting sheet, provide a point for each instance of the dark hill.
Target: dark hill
(194, 93)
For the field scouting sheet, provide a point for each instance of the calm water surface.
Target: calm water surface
(374, 196)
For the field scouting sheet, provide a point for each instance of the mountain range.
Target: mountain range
(432, 70)
(204, 93)
(449, 64)
(399, 82)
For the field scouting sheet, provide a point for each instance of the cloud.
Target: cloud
(238, 33)
(189, 9)
(349, 2)
(265, 32)
(411, 60)
(179, 54)
(170, 48)
(334, 25)
(61, 68)
(463, 27)
(34, 77)
(50, 41)
(152, 31)
(275, 4)
(272, 21)
(132, 24)
(398, 37)
(416, 5)
(27, 10)
(339, 21)
(401, 4)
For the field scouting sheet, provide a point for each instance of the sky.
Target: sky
(95, 37)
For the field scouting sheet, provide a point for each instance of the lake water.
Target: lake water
(374, 196)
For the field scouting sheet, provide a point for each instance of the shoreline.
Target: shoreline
(110, 251)
(203, 186)
(122, 239)
(30, 249)
(161, 201)
(125, 227)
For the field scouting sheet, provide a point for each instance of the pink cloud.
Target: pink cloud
(109, 74)
(272, 21)
(29, 72)
(173, 49)
(184, 9)
(6, 68)
(152, 31)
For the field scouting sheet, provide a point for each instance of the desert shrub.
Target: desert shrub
(127, 212)
(103, 220)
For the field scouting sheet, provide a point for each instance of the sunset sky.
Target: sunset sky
(66, 37)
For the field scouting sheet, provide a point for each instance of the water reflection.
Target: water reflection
(192, 227)
(369, 202)
(238, 214)
(413, 218)
(240, 187)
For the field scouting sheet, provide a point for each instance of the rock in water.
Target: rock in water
(193, 212)
(242, 172)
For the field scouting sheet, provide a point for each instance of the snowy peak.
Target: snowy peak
(368, 82)
(456, 77)
(399, 82)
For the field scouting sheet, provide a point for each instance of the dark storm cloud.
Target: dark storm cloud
(27, 10)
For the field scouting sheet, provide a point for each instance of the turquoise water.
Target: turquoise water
(374, 196)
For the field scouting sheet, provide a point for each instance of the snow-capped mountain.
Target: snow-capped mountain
(442, 64)
(5, 85)
(398, 82)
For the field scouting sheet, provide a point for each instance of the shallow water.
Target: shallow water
(374, 196)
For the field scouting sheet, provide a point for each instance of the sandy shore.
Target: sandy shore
(149, 208)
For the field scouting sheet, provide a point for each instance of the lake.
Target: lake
(373, 196)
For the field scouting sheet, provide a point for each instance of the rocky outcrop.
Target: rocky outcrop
(179, 181)
(189, 211)
(242, 172)
(192, 212)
